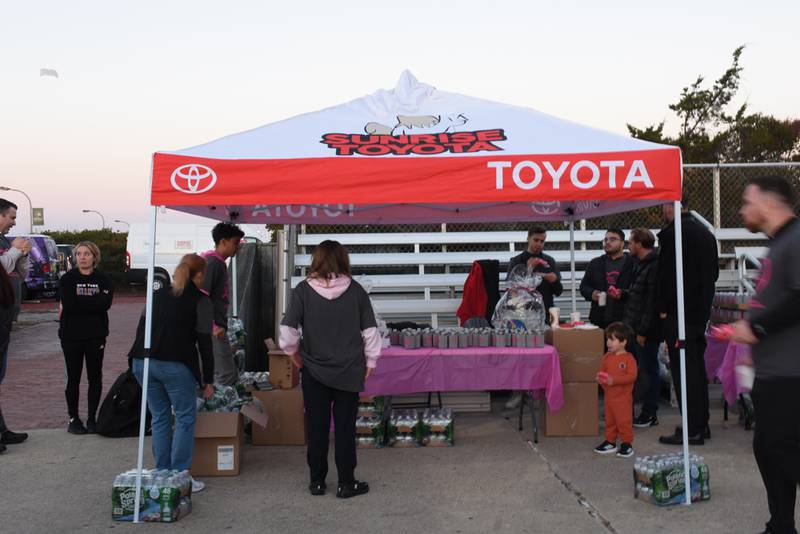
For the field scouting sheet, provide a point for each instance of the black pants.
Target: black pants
(696, 379)
(318, 399)
(75, 352)
(776, 445)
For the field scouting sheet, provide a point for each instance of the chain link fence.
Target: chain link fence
(719, 208)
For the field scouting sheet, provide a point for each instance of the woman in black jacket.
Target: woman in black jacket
(181, 325)
(340, 347)
(86, 296)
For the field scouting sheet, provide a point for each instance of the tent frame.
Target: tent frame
(681, 341)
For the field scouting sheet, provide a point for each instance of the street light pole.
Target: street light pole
(101, 217)
(30, 205)
(123, 222)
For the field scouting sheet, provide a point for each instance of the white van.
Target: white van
(173, 240)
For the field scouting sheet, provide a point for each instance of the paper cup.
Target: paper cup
(554, 313)
(745, 376)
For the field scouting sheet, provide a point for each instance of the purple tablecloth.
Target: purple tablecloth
(721, 359)
(714, 356)
(403, 371)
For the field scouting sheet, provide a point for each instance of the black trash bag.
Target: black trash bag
(118, 416)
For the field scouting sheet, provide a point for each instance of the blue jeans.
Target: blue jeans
(647, 360)
(170, 385)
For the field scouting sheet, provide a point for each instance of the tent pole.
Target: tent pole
(148, 330)
(682, 347)
(234, 288)
(572, 263)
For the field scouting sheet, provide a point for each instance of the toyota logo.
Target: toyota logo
(193, 178)
(546, 208)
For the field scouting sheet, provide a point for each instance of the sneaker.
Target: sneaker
(351, 489)
(2, 448)
(12, 438)
(677, 439)
(91, 427)
(317, 488)
(706, 432)
(625, 450)
(197, 486)
(76, 426)
(644, 421)
(606, 448)
(514, 401)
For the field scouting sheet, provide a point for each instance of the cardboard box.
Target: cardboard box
(282, 372)
(580, 352)
(287, 424)
(218, 440)
(580, 414)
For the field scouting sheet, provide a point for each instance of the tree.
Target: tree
(708, 133)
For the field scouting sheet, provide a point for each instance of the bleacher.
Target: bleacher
(434, 296)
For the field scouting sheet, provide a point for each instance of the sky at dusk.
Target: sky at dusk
(138, 77)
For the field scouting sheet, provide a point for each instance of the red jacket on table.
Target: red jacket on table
(474, 299)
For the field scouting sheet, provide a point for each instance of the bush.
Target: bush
(112, 247)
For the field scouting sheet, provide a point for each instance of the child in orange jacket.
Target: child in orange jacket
(617, 376)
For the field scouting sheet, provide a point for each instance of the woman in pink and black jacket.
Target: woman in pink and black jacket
(337, 351)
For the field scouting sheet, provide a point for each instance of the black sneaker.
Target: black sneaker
(12, 438)
(351, 489)
(317, 488)
(606, 448)
(91, 427)
(644, 421)
(76, 426)
(2, 448)
(706, 432)
(677, 439)
(625, 450)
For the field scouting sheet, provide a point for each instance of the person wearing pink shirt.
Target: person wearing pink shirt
(330, 332)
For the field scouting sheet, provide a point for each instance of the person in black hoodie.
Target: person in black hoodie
(640, 314)
(606, 280)
(86, 296)
(181, 326)
(700, 273)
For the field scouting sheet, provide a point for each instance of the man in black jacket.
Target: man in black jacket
(700, 273)
(640, 314)
(773, 329)
(606, 281)
(539, 262)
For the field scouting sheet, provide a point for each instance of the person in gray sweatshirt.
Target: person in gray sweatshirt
(772, 327)
(227, 238)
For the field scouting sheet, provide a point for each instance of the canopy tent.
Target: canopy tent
(415, 154)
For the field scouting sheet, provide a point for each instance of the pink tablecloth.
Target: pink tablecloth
(721, 358)
(714, 356)
(403, 371)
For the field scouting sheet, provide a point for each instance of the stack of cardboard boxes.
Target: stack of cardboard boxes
(284, 404)
(580, 353)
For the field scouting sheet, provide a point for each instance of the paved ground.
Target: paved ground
(493, 480)
(33, 390)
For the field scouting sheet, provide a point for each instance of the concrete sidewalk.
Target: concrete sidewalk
(493, 480)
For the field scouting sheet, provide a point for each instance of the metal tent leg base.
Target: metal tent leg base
(527, 397)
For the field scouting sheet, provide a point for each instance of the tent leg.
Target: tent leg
(572, 264)
(682, 343)
(148, 329)
(234, 288)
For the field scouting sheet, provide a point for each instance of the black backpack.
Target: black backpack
(119, 414)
